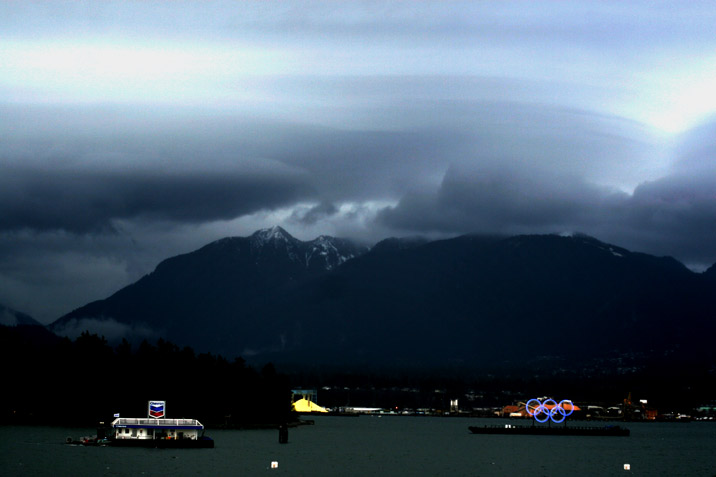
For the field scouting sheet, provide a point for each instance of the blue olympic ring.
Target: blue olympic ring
(549, 409)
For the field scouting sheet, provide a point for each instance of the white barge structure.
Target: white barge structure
(156, 430)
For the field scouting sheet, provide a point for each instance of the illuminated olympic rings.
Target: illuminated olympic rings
(549, 409)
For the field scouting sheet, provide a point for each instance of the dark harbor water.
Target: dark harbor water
(372, 445)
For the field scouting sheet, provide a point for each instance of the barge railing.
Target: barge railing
(128, 421)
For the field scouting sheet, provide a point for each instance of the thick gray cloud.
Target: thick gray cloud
(311, 215)
(86, 201)
(133, 131)
(112, 164)
(676, 214)
(498, 200)
(672, 215)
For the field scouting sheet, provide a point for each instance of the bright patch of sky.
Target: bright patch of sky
(652, 63)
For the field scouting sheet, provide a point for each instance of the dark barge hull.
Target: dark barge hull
(202, 443)
(551, 431)
(205, 443)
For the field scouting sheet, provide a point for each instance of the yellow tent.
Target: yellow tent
(304, 405)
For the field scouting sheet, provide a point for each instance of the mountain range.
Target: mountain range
(468, 301)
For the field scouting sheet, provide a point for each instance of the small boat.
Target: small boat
(88, 441)
(509, 429)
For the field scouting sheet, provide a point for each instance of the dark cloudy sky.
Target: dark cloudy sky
(134, 131)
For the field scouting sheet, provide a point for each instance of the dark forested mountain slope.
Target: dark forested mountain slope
(213, 297)
(470, 300)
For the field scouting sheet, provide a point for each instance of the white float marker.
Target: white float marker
(274, 464)
(627, 467)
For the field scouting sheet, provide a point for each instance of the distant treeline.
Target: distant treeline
(668, 385)
(53, 381)
(57, 381)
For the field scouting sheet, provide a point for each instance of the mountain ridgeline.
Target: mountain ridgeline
(470, 301)
(10, 317)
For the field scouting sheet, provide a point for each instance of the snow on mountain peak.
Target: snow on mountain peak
(331, 251)
(324, 252)
(275, 233)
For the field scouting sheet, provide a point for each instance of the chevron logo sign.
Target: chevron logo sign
(157, 409)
